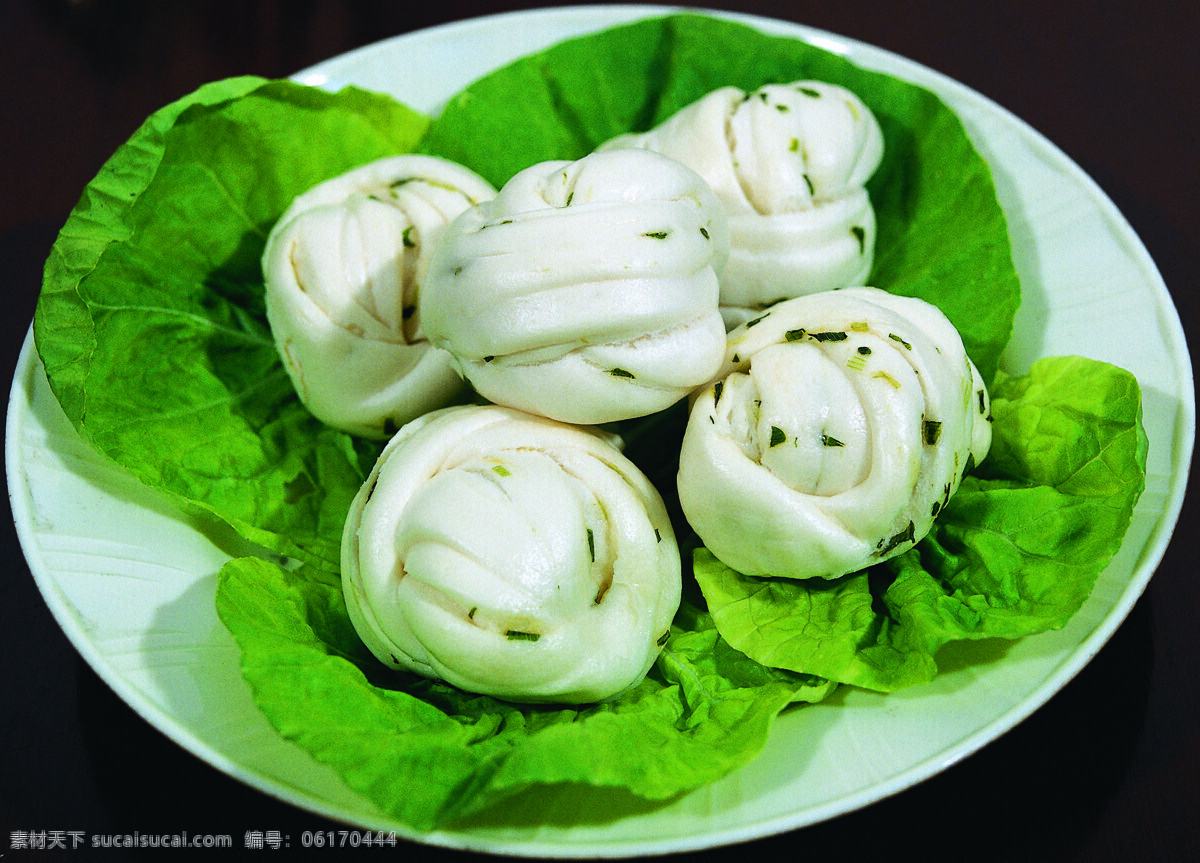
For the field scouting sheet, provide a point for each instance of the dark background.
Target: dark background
(1109, 769)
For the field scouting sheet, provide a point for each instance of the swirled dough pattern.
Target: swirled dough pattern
(789, 163)
(511, 555)
(585, 291)
(839, 427)
(344, 267)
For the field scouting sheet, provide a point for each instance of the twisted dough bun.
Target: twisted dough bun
(511, 555)
(344, 267)
(839, 427)
(789, 163)
(585, 291)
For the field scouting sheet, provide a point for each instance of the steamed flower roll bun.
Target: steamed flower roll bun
(511, 555)
(584, 291)
(789, 163)
(343, 267)
(837, 430)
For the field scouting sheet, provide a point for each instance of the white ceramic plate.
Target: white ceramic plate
(132, 582)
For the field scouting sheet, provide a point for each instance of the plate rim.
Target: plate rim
(1151, 554)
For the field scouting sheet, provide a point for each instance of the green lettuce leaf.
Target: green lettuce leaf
(151, 324)
(151, 327)
(1015, 553)
(942, 235)
(431, 755)
(152, 332)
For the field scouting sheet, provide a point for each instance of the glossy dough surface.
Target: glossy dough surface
(839, 426)
(585, 291)
(789, 163)
(511, 555)
(344, 267)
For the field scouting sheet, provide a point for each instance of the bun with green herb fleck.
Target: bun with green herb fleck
(511, 555)
(584, 291)
(838, 428)
(344, 267)
(789, 163)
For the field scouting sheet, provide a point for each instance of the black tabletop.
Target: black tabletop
(1109, 769)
